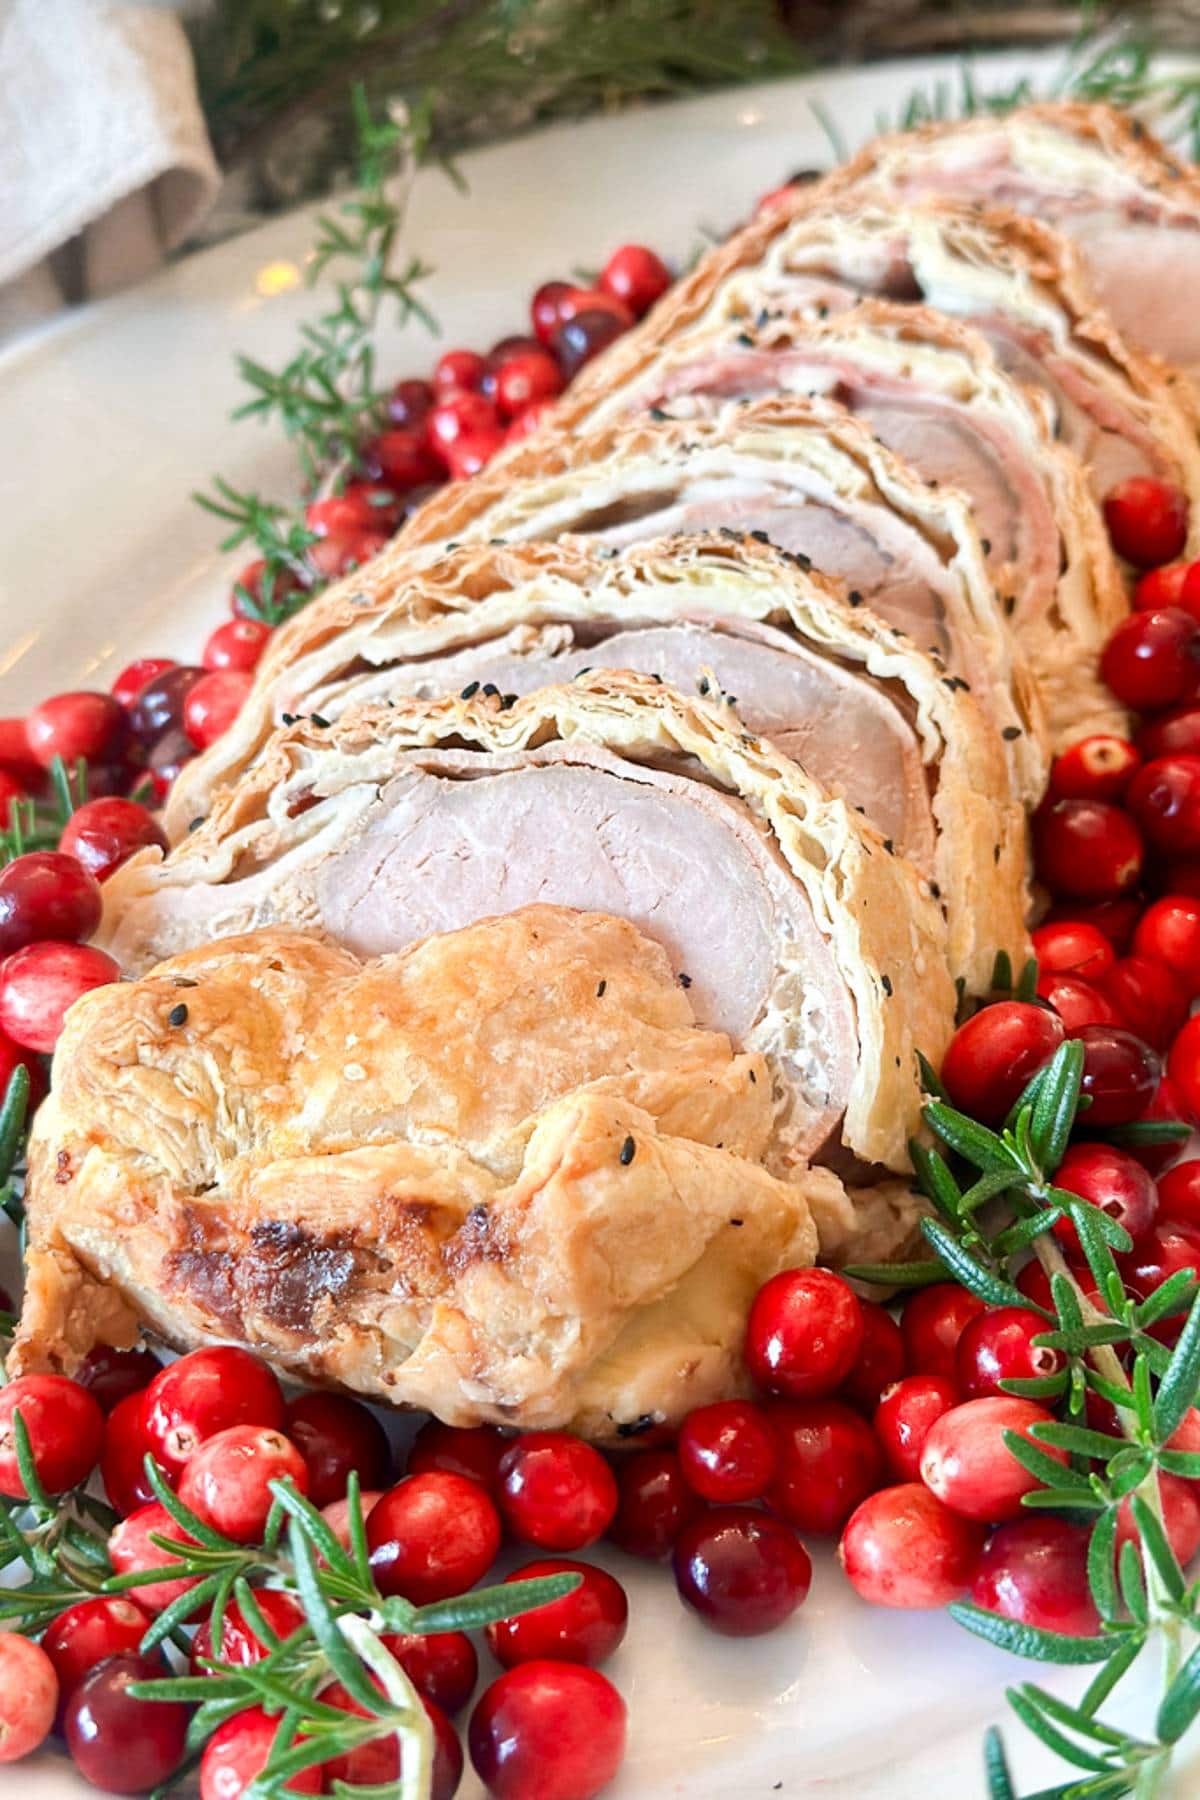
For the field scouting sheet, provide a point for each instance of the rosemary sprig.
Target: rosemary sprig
(38, 824)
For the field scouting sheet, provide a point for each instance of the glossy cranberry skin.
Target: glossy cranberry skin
(1087, 849)
(1070, 947)
(1148, 998)
(89, 1631)
(1183, 1065)
(460, 414)
(113, 1375)
(214, 703)
(1161, 587)
(654, 1504)
(410, 401)
(527, 421)
(102, 834)
(473, 1451)
(442, 1665)
(159, 706)
(1115, 919)
(544, 309)
(239, 1750)
(29, 1697)
(967, 1464)
(337, 1514)
(1164, 797)
(134, 676)
(904, 1417)
(881, 1361)
(932, 1322)
(903, 1548)
(1167, 1106)
(1120, 1074)
(240, 1644)
(804, 1333)
(829, 1460)
(252, 590)
(206, 1392)
(1179, 1193)
(432, 1536)
(742, 1571)
(1181, 1518)
(91, 725)
(586, 1626)
(472, 452)
(123, 1458)
(65, 1428)
(528, 377)
(120, 1744)
(1035, 1571)
(1169, 933)
(336, 1435)
(377, 1763)
(1096, 768)
(1161, 1252)
(237, 644)
(992, 1058)
(1112, 1180)
(1147, 520)
(45, 894)
(131, 1549)
(458, 369)
(1076, 1002)
(11, 790)
(636, 276)
(1152, 659)
(998, 1346)
(168, 756)
(556, 1491)
(406, 459)
(227, 1481)
(577, 340)
(547, 1731)
(342, 551)
(1171, 733)
(727, 1451)
(40, 982)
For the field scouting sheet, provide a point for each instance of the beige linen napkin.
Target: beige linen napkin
(105, 162)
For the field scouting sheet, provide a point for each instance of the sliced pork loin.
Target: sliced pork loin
(321, 1162)
(800, 934)
(1094, 172)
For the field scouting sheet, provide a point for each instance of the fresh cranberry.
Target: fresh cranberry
(1035, 1571)
(556, 1491)
(16, 758)
(409, 402)
(1152, 659)
(933, 1320)
(829, 1460)
(255, 589)
(997, 1346)
(65, 1428)
(1147, 997)
(904, 1416)
(1181, 1518)
(1179, 1193)
(1167, 1107)
(458, 370)
(1164, 797)
(547, 1729)
(406, 458)
(473, 1451)
(240, 1643)
(337, 1514)
(336, 1435)
(132, 1550)
(881, 1361)
(238, 644)
(461, 414)
(28, 1696)
(206, 1392)
(585, 1626)
(113, 1375)
(1161, 587)
(1076, 1002)
(742, 1571)
(472, 452)
(341, 551)
(227, 1482)
(1114, 919)
(102, 834)
(159, 706)
(1169, 932)
(636, 276)
(578, 302)
(579, 339)
(45, 894)
(1159, 1253)
(1071, 948)
(1120, 1074)
(168, 756)
(545, 307)
(1183, 1065)
(432, 1536)
(1034, 1283)
(123, 1458)
(134, 676)
(804, 1333)
(1087, 849)
(523, 379)
(527, 421)
(94, 726)
(376, 1763)
(654, 1504)
(89, 1631)
(1096, 768)
(967, 1463)
(1171, 733)
(1111, 1180)
(904, 1548)
(379, 504)
(727, 1451)
(442, 1665)
(336, 512)
(1147, 520)
(11, 791)
(992, 1058)
(117, 1743)
(239, 1750)
(214, 704)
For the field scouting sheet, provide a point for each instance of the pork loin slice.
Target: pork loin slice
(503, 1174)
(801, 934)
(868, 716)
(1094, 172)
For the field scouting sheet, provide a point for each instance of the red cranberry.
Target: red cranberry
(1114, 919)
(998, 1346)
(123, 1458)
(1152, 659)
(65, 1428)
(1161, 587)
(28, 1697)
(933, 1320)
(1097, 768)
(881, 1361)
(206, 1392)
(586, 1626)
(528, 377)
(1167, 1107)
(45, 894)
(16, 758)
(168, 756)
(829, 1460)
(1147, 997)
(1087, 849)
(12, 1058)
(903, 1548)
(904, 1417)
(238, 644)
(579, 339)
(1071, 948)
(471, 452)
(337, 1514)
(1181, 1518)
(102, 834)
(461, 414)
(256, 589)
(376, 1763)
(442, 1666)
(379, 505)
(636, 276)
(1170, 734)
(804, 1333)
(409, 402)
(1183, 1065)
(240, 1643)
(120, 1744)
(341, 551)
(1159, 1253)
(1111, 1180)
(135, 675)
(1035, 1571)
(159, 706)
(527, 421)
(406, 459)
(1164, 797)
(550, 1729)
(335, 1435)
(1120, 1074)
(654, 1504)
(214, 704)
(11, 791)
(239, 1750)
(227, 1482)
(993, 1057)
(578, 301)
(1076, 1002)
(1169, 932)
(1147, 520)
(556, 1491)
(967, 1463)
(544, 309)
(727, 1451)
(432, 1536)
(89, 1631)
(113, 1375)
(132, 1550)
(742, 1571)
(73, 725)
(473, 1451)
(1179, 1193)
(39, 983)
(458, 370)
(336, 513)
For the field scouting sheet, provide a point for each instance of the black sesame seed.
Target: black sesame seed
(600, 991)
(635, 1427)
(469, 692)
(1010, 732)
(854, 597)
(628, 1152)
(760, 537)
(985, 544)
(477, 1216)
(318, 720)
(178, 1015)
(886, 984)
(737, 1223)
(753, 1078)
(490, 688)
(289, 718)
(685, 981)
(889, 845)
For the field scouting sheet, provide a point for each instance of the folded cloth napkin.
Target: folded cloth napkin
(105, 162)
